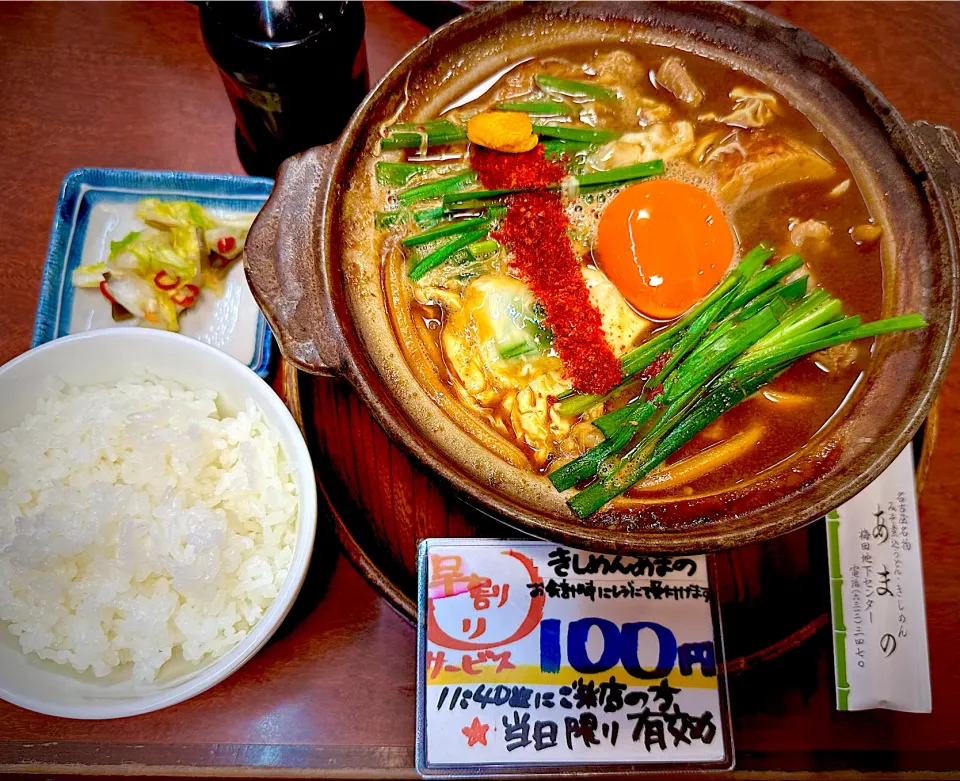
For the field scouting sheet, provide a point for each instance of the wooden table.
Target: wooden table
(126, 85)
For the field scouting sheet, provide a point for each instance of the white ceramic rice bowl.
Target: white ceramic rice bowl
(106, 356)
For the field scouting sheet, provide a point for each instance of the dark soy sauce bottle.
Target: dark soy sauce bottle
(294, 73)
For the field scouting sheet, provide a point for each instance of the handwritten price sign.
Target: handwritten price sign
(535, 656)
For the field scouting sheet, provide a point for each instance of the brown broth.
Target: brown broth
(837, 264)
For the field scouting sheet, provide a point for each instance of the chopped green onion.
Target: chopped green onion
(583, 134)
(410, 135)
(701, 365)
(711, 357)
(541, 109)
(687, 383)
(438, 256)
(386, 219)
(753, 260)
(428, 216)
(817, 334)
(739, 382)
(689, 339)
(763, 280)
(817, 298)
(421, 217)
(826, 312)
(554, 147)
(802, 345)
(442, 231)
(481, 195)
(586, 465)
(521, 348)
(613, 176)
(483, 249)
(786, 293)
(634, 469)
(436, 188)
(574, 89)
(642, 356)
(578, 403)
(461, 258)
(398, 174)
(623, 174)
(431, 125)
(466, 208)
(639, 358)
(831, 329)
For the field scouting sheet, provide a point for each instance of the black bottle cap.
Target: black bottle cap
(271, 23)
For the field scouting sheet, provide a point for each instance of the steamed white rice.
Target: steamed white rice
(136, 520)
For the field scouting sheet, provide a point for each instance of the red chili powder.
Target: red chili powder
(499, 171)
(535, 230)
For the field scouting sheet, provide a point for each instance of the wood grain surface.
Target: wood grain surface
(130, 85)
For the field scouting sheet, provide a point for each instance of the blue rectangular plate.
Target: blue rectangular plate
(96, 206)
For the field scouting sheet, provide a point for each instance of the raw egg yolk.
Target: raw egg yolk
(664, 244)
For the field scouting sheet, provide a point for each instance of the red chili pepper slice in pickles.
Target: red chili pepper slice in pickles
(105, 291)
(186, 296)
(164, 281)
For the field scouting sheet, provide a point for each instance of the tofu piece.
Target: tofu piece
(762, 163)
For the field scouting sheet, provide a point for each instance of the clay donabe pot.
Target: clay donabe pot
(311, 265)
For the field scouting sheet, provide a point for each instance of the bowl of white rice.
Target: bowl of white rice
(157, 516)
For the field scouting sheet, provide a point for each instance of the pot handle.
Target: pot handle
(940, 148)
(286, 266)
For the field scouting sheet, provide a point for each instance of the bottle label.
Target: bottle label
(265, 100)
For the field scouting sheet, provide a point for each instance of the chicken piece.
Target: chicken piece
(837, 358)
(582, 437)
(673, 75)
(520, 81)
(586, 435)
(616, 68)
(750, 108)
(705, 145)
(632, 110)
(650, 111)
(763, 162)
(808, 230)
(621, 70)
(662, 141)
